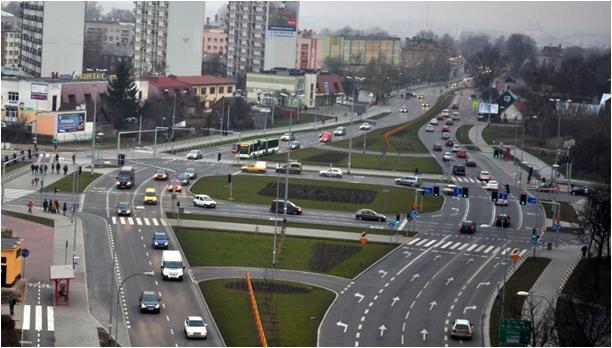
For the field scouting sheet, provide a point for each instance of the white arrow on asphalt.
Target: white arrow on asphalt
(469, 260)
(342, 324)
(484, 284)
(395, 299)
(414, 276)
(407, 254)
(437, 257)
(450, 280)
(455, 209)
(432, 305)
(360, 297)
(382, 329)
(383, 273)
(468, 307)
(424, 333)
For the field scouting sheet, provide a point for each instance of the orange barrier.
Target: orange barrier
(262, 335)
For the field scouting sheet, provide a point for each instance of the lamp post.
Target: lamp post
(355, 80)
(93, 132)
(288, 156)
(529, 294)
(110, 325)
(173, 113)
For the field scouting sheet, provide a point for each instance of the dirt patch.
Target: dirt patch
(10, 335)
(105, 339)
(327, 255)
(321, 193)
(328, 157)
(265, 286)
(402, 146)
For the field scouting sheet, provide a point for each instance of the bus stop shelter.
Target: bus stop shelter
(61, 275)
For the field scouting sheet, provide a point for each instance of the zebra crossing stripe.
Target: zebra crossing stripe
(122, 219)
(458, 179)
(50, 319)
(496, 250)
(472, 247)
(446, 245)
(146, 221)
(488, 249)
(438, 244)
(430, 243)
(138, 222)
(38, 320)
(455, 245)
(523, 252)
(154, 220)
(26, 318)
(421, 242)
(480, 248)
(114, 220)
(163, 222)
(130, 221)
(463, 246)
(505, 251)
(414, 241)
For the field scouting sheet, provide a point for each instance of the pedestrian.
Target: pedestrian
(53, 207)
(46, 167)
(40, 169)
(57, 158)
(32, 168)
(30, 205)
(52, 168)
(12, 302)
(45, 205)
(64, 208)
(36, 179)
(36, 169)
(33, 181)
(584, 251)
(57, 168)
(73, 158)
(65, 169)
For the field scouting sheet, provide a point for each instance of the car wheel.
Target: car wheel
(358, 217)
(380, 220)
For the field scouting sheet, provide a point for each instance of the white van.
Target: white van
(172, 265)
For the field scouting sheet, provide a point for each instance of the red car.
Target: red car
(446, 129)
(440, 117)
(174, 186)
(325, 137)
(550, 187)
(462, 154)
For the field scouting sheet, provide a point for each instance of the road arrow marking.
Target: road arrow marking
(342, 324)
(407, 254)
(414, 276)
(455, 209)
(479, 284)
(469, 260)
(432, 305)
(450, 280)
(383, 273)
(437, 257)
(468, 307)
(382, 329)
(360, 297)
(424, 333)
(395, 299)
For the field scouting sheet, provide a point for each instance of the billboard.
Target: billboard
(283, 16)
(71, 122)
(39, 91)
(483, 108)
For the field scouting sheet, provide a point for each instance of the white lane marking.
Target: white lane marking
(438, 244)
(139, 222)
(480, 248)
(154, 220)
(419, 243)
(496, 250)
(130, 221)
(446, 245)
(472, 247)
(114, 218)
(467, 209)
(463, 246)
(488, 249)
(523, 252)
(122, 219)
(506, 251)
(26, 317)
(416, 258)
(412, 241)
(50, 319)
(454, 246)
(520, 215)
(146, 221)
(492, 216)
(430, 243)
(38, 319)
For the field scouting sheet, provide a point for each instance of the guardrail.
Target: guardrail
(569, 272)
(262, 334)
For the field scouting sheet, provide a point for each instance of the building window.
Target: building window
(13, 97)
(208, 46)
(208, 40)
(212, 90)
(203, 91)
(221, 90)
(229, 89)
(194, 90)
(10, 113)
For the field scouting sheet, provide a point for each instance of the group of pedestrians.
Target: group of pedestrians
(49, 206)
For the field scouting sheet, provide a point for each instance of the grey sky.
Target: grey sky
(549, 22)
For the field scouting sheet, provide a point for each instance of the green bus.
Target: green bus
(256, 147)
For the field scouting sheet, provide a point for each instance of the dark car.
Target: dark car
(295, 145)
(449, 123)
(278, 206)
(581, 191)
(458, 170)
(191, 173)
(502, 220)
(470, 163)
(123, 208)
(437, 147)
(149, 302)
(160, 240)
(449, 143)
(369, 215)
(183, 179)
(467, 226)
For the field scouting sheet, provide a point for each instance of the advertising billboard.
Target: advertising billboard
(71, 122)
(283, 16)
(39, 91)
(483, 108)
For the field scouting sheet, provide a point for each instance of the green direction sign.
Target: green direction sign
(515, 331)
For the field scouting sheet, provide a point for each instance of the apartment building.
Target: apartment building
(214, 41)
(246, 37)
(309, 51)
(360, 50)
(110, 32)
(11, 48)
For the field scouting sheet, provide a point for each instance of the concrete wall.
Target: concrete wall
(63, 36)
(184, 41)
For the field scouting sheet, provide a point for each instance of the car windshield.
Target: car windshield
(182, 177)
(123, 176)
(190, 170)
(160, 173)
(149, 297)
(196, 323)
(160, 236)
(461, 327)
(123, 205)
(173, 264)
(193, 152)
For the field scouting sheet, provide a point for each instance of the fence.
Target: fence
(262, 335)
(569, 272)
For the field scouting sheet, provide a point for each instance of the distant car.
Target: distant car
(404, 109)
(491, 185)
(195, 327)
(369, 215)
(582, 190)
(446, 129)
(161, 175)
(470, 163)
(195, 155)
(440, 117)
(429, 128)
(449, 189)
(191, 173)
(484, 175)
(331, 172)
(295, 145)
(255, 167)
(278, 206)
(459, 170)
(204, 201)
(287, 137)
(325, 137)
(425, 105)
(445, 113)
(437, 147)
(467, 226)
(449, 122)
(456, 148)
(419, 97)
(433, 122)
(461, 328)
(450, 142)
(183, 179)
(462, 154)
(549, 187)
(408, 181)
(149, 301)
(174, 186)
(366, 126)
(502, 220)
(445, 135)
(455, 116)
(123, 209)
(160, 240)
(150, 196)
(294, 167)
(340, 131)
(447, 156)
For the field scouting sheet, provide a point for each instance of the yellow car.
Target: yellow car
(150, 196)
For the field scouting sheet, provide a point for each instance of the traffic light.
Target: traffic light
(507, 189)
(29, 154)
(397, 219)
(80, 170)
(436, 191)
(494, 196)
(229, 178)
(523, 199)
(121, 159)
(495, 153)
(219, 157)
(465, 193)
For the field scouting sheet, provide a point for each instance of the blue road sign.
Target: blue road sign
(392, 224)
(428, 189)
(557, 226)
(414, 213)
(532, 200)
(502, 195)
(25, 252)
(457, 191)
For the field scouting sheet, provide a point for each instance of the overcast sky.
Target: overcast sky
(549, 22)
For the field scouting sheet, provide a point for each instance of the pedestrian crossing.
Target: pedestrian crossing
(137, 221)
(465, 179)
(15, 194)
(38, 318)
(462, 247)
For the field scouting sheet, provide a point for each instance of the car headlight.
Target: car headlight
(142, 305)
(155, 243)
(157, 306)
(129, 183)
(117, 183)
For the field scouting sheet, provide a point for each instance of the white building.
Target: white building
(52, 36)
(168, 37)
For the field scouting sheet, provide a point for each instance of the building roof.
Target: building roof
(205, 80)
(11, 243)
(521, 106)
(61, 272)
(551, 51)
(329, 84)
(166, 82)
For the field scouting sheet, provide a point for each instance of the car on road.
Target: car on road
(195, 155)
(150, 196)
(331, 172)
(502, 220)
(461, 328)
(437, 147)
(149, 302)
(160, 240)
(440, 117)
(582, 190)
(446, 129)
(183, 179)
(462, 154)
(123, 209)
(204, 201)
(419, 97)
(450, 143)
(425, 105)
(404, 109)
(278, 206)
(174, 186)
(369, 215)
(340, 131)
(449, 189)
(257, 167)
(294, 167)
(160, 175)
(467, 226)
(287, 137)
(484, 175)
(195, 327)
(445, 113)
(191, 173)
(550, 187)
(429, 128)
(456, 148)
(470, 163)
(408, 181)
(447, 156)
(325, 137)
(458, 169)
(445, 135)
(433, 122)
(295, 145)
(455, 116)
(449, 122)
(366, 126)
(492, 185)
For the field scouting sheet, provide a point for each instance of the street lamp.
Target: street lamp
(289, 154)
(110, 321)
(529, 294)
(93, 131)
(174, 112)
(355, 80)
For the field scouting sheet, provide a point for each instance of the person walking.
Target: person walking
(12, 302)
(30, 205)
(52, 168)
(36, 169)
(40, 169)
(73, 158)
(65, 169)
(45, 205)
(36, 179)
(46, 167)
(57, 158)
(57, 168)
(64, 208)
(32, 168)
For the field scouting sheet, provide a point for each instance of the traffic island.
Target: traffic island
(66, 183)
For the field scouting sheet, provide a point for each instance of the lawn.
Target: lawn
(462, 134)
(319, 156)
(298, 314)
(204, 247)
(522, 280)
(318, 194)
(567, 212)
(16, 166)
(65, 184)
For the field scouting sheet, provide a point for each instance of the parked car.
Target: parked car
(331, 172)
(195, 327)
(160, 175)
(174, 186)
(325, 137)
(502, 220)
(191, 173)
(123, 208)
(461, 328)
(340, 131)
(408, 181)
(204, 201)
(195, 155)
(467, 226)
(287, 137)
(150, 196)
(366, 126)
(437, 147)
(429, 128)
(491, 185)
(278, 206)
(183, 179)
(295, 145)
(440, 117)
(160, 240)
(369, 215)
(462, 154)
(458, 170)
(294, 167)
(484, 175)
(149, 301)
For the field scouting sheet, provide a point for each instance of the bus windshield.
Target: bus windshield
(244, 148)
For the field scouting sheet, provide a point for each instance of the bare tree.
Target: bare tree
(581, 324)
(595, 219)
(541, 312)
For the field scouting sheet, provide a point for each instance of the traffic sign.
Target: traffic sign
(457, 191)
(428, 189)
(25, 252)
(532, 200)
(515, 331)
(414, 213)
(475, 104)
(502, 195)
(557, 226)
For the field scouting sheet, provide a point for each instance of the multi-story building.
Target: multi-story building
(550, 56)
(214, 41)
(11, 48)
(246, 36)
(360, 50)
(300, 87)
(309, 51)
(52, 36)
(107, 43)
(10, 21)
(209, 89)
(111, 32)
(417, 50)
(168, 37)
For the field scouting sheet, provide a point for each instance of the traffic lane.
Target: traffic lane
(351, 178)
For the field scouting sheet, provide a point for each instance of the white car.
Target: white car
(331, 172)
(456, 148)
(195, 327)
(287, 137)
(491, 185)
(404, 109)
(445, 113)
(447, 156)
(195, 154)
(462, 328)
(340, 131)
(501, 201)
(449, 189)
(484, 175)
(445, 135)
(434, 122)
(204, 201)
(365, 126)
(455, 116)
(429, 128)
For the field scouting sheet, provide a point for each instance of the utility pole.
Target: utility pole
(287, 168)
(93, 132)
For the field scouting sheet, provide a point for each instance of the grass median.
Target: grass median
(316, 194)
(65, 184)
(290, 319)
(16, 166)
(462, 134)
(324, 157)
(568, 213)
(207, 247)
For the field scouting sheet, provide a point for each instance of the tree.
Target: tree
(541, 312)
(334, 65)
(485, 66)
(520, 48)
(93, 11)
(122, 96)
(122, 15)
